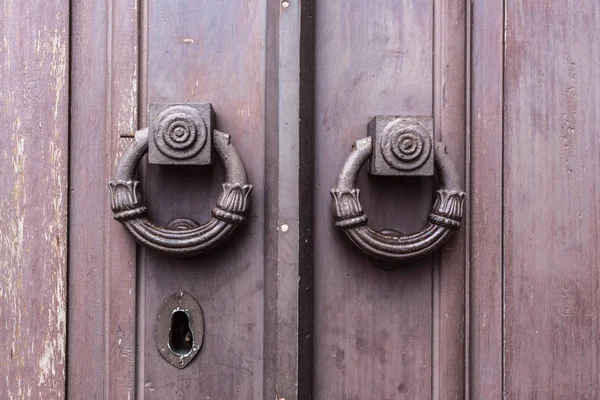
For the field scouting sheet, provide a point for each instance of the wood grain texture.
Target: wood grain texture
(383, 62)
(270, 353)
(485, 294)
(34, 72)
(449, 111)
(289, 145)
(373, 329)
(208, 52)
(552, 200)
(101, 254)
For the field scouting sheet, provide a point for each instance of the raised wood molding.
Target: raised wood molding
(485, 351)
(102, 261)
(450, 263)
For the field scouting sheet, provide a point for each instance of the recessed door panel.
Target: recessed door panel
(208, 52)
(381, 334)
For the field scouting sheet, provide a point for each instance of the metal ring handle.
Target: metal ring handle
(445, 216)
(229, 212)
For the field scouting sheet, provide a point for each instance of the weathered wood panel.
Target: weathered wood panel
(289, 239)
(449, 109)
(213, 52)
(101, 255)
(485, 240)
(552, 200)
(374, 58)
(34, 72)
(372, 328)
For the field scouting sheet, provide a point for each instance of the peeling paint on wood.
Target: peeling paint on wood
(33, 198)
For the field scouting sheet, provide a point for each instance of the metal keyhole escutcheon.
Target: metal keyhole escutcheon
(179, 329)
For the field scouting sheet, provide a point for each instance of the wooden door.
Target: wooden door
(387, 334)
(507, 308)
(235, 56)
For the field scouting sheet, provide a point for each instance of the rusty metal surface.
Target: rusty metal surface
(349, 216)
(229, 212)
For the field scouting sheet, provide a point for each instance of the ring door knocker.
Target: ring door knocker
(402, 147)
(180, 134)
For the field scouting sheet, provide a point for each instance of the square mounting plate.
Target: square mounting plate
(180, 133)
(402, 146)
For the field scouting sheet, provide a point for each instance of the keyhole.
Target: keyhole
(181, 338)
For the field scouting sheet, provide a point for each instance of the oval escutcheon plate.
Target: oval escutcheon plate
(179, 329)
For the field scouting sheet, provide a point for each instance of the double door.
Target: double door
(287, 307)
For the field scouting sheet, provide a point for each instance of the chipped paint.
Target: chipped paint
(33, 206)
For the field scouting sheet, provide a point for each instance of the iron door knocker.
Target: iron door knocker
(401, 145)
(183, 134)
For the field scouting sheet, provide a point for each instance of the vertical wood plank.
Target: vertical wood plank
(486, 269)
(34, 100)
(288, 203)
(449, 111)
(372, 328)
(270, 352)
(288, 278)
(102, 256)
(552, 199)
(120, 267)
(208, 51)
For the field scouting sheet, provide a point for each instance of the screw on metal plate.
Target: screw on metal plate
(179, 329)
(180, 134)
(402, 146)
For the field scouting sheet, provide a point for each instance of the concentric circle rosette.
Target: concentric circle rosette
(406, 144)
(179, 132)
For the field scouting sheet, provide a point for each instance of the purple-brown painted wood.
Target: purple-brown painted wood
(485, 240)
(208, 52)
(387, 334)
(520, 122)
(552, 200)
(102, 266)
(34, 101)
(449, 111)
